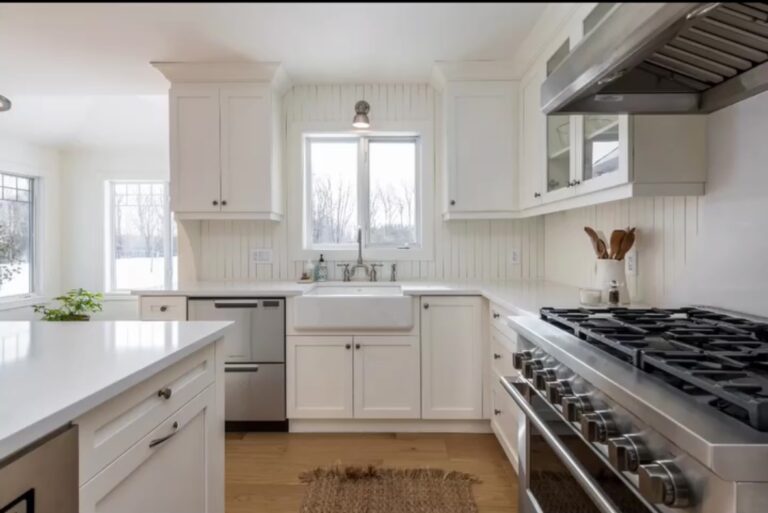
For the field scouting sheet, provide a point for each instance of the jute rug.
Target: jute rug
(382, 490)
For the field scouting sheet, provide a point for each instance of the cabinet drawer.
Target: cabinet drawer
(153, 473)
(498, 318)
(163, 308)
(109, 430)
(502, 348)
(507, 419)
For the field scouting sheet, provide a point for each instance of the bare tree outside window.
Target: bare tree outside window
(333, 167)
(16, 235)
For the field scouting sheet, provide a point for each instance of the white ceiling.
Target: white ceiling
(98, 49)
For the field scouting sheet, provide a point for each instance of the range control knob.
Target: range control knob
(519, 358)
(662, 482)
(628, 452)
(531, 365)
(574, 406)
(598, 426)
(558, 389)
(543, 376)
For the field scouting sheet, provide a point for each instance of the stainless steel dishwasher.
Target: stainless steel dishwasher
(255, 359)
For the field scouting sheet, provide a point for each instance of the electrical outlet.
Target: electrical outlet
(515, 256)
(631, 262)
(261, 256)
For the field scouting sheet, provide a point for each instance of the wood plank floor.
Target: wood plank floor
(263, 469)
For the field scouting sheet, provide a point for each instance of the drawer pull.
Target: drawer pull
(496, 356)
(496, 315)
(158, 441)
(165, 393)
(164, 308)
(497, 412)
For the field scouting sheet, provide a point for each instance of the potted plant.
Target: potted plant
(76, 305)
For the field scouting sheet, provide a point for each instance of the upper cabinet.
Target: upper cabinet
(568, 161)
(480, 122)
(225, 140)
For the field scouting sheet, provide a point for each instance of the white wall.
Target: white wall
(84, 174)
(23, 158)
(463, 249)
(691, 250)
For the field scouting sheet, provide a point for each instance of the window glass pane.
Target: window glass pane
(16, 239)
(392, 195)
(138, 237)
(601, 145)
(333, 168)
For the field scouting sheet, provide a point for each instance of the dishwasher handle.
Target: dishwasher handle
(241, 367)
(236, 303)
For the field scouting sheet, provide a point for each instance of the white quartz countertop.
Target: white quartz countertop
(53, 372)
(519, 296)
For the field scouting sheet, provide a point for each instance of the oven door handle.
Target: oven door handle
(590, 486)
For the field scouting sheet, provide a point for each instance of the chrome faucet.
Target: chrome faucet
(359, 264)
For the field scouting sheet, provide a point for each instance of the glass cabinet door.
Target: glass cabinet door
(558, 152)
(600, 145)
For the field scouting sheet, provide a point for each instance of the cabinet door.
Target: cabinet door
(387, 378)
(481, 121)
(602, 159)
(195, 165)
(319, 383)
(451, 357)
(532, 150)
(507, 422)
(166, 471)
(246, 148)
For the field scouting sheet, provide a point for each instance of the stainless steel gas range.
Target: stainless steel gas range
(638, 411)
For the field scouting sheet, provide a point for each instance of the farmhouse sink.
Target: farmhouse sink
(353, 306)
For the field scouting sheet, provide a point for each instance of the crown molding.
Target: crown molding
(206, 72)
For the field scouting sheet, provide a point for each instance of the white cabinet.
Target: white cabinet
(225, 139)
(480, 131)
(451, 357)
(163, 308)
(167, 470)
(363, 377)
(387, 378)
(319, 377)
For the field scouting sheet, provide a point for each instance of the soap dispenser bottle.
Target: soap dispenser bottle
(321, 269)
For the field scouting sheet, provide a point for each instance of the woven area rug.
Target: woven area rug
(381, 490)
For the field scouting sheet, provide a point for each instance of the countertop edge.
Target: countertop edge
(37, 430)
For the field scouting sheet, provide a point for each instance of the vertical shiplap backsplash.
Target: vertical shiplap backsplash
(666, 231)
(463, 249)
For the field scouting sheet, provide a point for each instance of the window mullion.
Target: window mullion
(363, 194)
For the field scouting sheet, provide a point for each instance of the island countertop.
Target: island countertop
(53, 372)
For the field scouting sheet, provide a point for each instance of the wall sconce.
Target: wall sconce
(362, 108)
(5, 104)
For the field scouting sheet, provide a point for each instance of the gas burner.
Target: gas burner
(720, 359)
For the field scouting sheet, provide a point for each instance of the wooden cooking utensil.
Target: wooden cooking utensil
(595, 241)
(626, 244)
(616, 237)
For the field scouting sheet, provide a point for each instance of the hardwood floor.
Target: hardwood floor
(263, 469)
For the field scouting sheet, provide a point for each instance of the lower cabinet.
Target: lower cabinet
(364, 377)
(452, 357)
(167, 470)
(507, 421)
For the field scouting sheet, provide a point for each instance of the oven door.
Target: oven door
(559, 471)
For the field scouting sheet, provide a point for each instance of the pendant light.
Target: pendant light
(361, 115)
(5, 103)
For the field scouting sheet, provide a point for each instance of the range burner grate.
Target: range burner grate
(720, 359)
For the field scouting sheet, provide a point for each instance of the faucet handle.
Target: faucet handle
(374, 273)
(347, 276)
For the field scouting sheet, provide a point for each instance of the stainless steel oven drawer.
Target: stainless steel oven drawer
(255, 392)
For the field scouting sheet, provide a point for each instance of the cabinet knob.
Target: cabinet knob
(426, 306)
(164, 308)
(348, 346)
(215, 202)
(496, 356)
(497, 412)
(537, 195)
(223, 203)
(453, 202)
(165, 393)
(357, 346)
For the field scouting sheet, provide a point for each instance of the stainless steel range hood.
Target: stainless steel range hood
(662, 58)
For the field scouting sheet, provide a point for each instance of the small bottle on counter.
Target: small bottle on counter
(613, 294)
(321, 269)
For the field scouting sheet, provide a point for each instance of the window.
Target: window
(142, 236)
(368, 182)
(17, 210)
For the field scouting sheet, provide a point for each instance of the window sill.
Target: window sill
(119, 296)
(24, 301)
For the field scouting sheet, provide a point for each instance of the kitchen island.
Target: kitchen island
(144, 397)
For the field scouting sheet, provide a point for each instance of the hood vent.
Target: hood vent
(684, 58)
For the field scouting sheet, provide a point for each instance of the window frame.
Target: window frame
(363, 140)
(35, 266)
(110, 268)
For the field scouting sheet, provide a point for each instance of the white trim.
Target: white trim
(388, 426)
(297, 189)
(21, 301)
